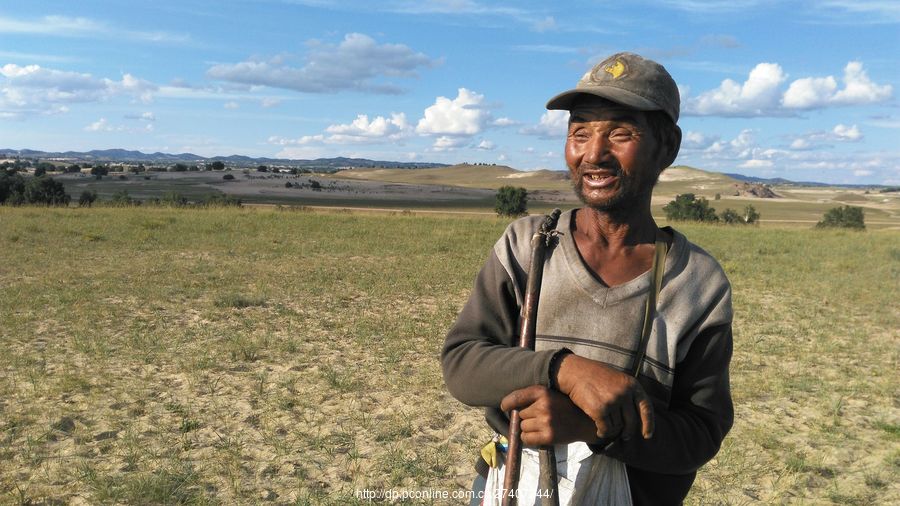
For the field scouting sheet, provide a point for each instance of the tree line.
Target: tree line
(513, 202)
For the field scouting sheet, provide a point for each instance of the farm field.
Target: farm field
(223, 356)
(471, 189)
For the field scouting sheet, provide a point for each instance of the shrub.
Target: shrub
(220, 199)
(315, 185)
(843, 217)
(174, 199)
(288, 185)
(228, 177)
(122, 199)
(87, 198)
(730, 217)
(44, 190)
(751, 216)
(511, 201)
(12, 188)
(686, 207)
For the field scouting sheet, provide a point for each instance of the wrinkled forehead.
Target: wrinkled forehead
(593, 108)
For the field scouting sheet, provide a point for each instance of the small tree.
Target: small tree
(315, 185)
(687, 207)
(87, 198)
(44, 190)
(12, 188)
(730, 217)
(751, 216)
(511, 201)
(843, 217)
(218, 165)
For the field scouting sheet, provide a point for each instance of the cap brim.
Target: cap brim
(564, 100)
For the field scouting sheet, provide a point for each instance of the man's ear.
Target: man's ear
(670, 150)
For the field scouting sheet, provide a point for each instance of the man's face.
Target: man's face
(613, 157)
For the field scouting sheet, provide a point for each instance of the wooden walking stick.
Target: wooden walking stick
(548, 491)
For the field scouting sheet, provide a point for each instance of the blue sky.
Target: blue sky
(806, 90)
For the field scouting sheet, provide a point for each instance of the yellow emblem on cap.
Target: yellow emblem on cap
(616, 69)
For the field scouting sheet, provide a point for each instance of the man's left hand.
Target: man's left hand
(549, 417)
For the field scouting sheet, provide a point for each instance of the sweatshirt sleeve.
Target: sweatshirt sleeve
(479, 362)
(691, 428)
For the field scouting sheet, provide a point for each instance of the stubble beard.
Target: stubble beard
(629, 193)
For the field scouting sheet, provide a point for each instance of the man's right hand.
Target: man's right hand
(615, 401)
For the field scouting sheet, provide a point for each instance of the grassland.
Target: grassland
(471, 189)
(225, 356)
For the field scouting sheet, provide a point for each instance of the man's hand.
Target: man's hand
(549, 417)
(614, 401)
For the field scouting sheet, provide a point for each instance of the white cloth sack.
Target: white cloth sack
(585, 478)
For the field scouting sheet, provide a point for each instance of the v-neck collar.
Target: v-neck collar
(590, 283)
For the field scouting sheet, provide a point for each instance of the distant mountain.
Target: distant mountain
(787, 182)
(124, 155)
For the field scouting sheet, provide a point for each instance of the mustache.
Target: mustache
(615, 170)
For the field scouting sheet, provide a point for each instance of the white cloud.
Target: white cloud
(758, 95)
(463, 115)
(448, 143)
(269, 102)
(809, 92)
(356, 63)
(32, 89)
(503, 122)
(697, 140)
(486, 145)
(232, 105)
(801, 143)
(813, 92)
(817, 139)
(553, 124)
(381, 128)
(761, 94)
(101, 125)
(756, 164)
(811, 157)
(844, 132)
(80, 27)
(359, 131)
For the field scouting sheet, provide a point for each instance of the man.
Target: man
(575, 387)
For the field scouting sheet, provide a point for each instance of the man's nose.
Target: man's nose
(597, 150)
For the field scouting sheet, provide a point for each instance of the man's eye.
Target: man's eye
(580, 135)
(620, 135)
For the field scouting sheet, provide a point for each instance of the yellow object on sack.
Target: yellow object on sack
(490, 453)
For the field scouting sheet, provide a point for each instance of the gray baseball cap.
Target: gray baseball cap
(627, 79)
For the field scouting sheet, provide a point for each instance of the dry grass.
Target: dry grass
(236, 356)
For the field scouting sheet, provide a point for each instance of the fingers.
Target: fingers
(536, 432)
(632, 421)
(645, 408)
(522, 398)
(611, 423)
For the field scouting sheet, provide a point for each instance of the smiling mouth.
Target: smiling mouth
(601, 180)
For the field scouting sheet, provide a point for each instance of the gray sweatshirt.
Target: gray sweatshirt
(685, 370)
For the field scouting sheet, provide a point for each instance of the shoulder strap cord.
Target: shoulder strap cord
(657, 272)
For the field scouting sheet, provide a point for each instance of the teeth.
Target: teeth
(595, 177)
